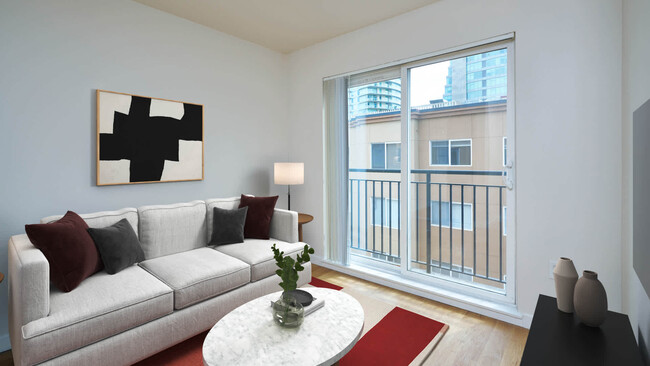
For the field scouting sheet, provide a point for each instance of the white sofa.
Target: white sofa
(181, 289)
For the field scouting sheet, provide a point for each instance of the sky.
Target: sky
(428, 82)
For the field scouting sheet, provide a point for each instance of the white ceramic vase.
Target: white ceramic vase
(565, 276)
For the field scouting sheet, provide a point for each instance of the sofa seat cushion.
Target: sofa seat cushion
(258, 254)
(102, 306)
(199, 274)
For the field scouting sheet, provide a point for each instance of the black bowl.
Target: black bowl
(303, 297)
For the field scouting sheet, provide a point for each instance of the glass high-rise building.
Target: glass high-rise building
(477, 78)
(383, 96)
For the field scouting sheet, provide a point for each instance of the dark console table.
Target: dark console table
(557, 338)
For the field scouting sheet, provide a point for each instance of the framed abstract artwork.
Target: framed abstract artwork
(147, 140)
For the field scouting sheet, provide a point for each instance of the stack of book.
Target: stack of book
(315, 305)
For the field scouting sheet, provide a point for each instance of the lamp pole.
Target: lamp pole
(289, 197)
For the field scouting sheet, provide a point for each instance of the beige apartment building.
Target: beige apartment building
(457, 155)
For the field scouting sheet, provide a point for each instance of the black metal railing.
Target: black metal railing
(376, 224)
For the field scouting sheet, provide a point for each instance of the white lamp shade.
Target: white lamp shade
(289, 173)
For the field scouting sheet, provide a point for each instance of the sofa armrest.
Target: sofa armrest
(284, 225)
(29, 283)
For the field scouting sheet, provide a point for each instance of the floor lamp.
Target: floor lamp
(289, 174)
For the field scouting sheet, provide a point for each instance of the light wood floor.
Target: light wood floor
(472, 339)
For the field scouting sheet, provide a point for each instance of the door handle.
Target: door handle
(504, 175)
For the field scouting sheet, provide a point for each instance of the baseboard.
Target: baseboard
(5, 343)
(506, 313)
(527, 320)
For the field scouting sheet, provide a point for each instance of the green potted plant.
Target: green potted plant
(287, 311)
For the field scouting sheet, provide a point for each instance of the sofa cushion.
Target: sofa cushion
(258, 254)
(118, 246)
(259, 215)
(198, 274)
(169, 229)
(223, 203)
(104, 218)
(69, 249)
(102, 306)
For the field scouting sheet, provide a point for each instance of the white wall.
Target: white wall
(636, 90)
(568, 87)
(53, 55)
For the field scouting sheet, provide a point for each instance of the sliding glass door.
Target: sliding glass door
(430, 170)
(458, 134)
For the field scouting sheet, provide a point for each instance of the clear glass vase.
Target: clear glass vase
(287, 311)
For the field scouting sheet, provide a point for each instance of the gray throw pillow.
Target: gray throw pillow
(228, 226)
(118, 246)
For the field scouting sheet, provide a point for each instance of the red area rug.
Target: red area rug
(317, 282)
(398, 338)
(378, 347)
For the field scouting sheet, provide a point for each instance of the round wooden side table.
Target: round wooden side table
(303, 219)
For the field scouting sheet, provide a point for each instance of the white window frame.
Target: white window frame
(385, 152)
(471, 215)
(503, 151)
(387, 202)
(449, 141)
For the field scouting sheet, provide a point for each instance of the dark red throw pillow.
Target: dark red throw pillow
(68, 248)
(258, 217)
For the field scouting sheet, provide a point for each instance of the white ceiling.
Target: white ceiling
(286, 25)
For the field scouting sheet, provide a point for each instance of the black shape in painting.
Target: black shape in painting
(148, 141)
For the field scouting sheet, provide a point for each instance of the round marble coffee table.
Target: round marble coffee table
(249, 336)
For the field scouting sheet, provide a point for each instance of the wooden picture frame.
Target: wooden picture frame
(148, 140)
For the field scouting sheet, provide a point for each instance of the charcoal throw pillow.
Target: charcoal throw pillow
(228, 226)
(118, 246)
(68, 248)
(258, 217)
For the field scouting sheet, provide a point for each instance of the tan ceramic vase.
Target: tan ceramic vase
(565, 276)
(590, 299)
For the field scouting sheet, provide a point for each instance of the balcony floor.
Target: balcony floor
(472, 339)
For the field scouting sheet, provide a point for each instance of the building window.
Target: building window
(496, 82)
(475, 75)
(439, 152)
(474, 66)
(386, 155)
(475, 85)
(440, 215)
(388, 213)
(378, 152)
(451, 152)
(460, 152)
(475, 95)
